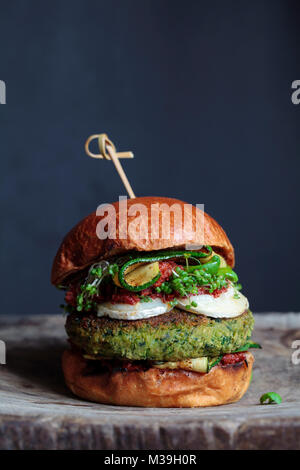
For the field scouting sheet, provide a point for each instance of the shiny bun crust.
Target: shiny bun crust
(158, 388)
(81, 247)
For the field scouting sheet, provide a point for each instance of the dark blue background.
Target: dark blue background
(200, 91)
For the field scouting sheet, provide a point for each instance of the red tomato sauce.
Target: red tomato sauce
(116, 294)
(71, 295)
(126, 366)
(123, 296)
(166, 268)
(233, 358)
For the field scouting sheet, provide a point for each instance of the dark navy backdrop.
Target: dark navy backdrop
(200, 91)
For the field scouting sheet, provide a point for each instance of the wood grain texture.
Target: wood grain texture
(38, 412)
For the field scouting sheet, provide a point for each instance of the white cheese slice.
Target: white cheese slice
(229, 304)
(139, 311)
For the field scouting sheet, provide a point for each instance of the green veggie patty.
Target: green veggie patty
(172, 336)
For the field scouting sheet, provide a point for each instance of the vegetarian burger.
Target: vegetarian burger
(153, 321)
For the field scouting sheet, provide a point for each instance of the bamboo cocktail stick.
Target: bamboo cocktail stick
(108, 152)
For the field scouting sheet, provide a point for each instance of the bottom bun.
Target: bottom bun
(157, 388)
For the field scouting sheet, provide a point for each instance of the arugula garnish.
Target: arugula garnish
(216, 360)
(247, 346)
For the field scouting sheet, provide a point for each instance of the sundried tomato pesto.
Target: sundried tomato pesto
(116, 294)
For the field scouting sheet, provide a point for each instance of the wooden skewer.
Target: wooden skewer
(114, 156)
(108, 151)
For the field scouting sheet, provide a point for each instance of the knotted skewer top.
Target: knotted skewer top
(108, 151)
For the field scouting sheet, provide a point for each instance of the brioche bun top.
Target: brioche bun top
(81, 246)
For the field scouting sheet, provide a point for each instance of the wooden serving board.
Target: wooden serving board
(38, 412)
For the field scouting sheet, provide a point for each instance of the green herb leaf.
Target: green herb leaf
(113, 269)
(213, 362)
(145, 298)
(247, 346)
(67, 308)
(270, 398)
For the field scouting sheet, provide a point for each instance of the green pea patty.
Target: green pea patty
(173, 336)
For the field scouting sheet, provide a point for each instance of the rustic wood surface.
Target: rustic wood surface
(38, 412)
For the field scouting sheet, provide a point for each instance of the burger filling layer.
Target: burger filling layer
(142, 286)
(174, 336)
(167, 310)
